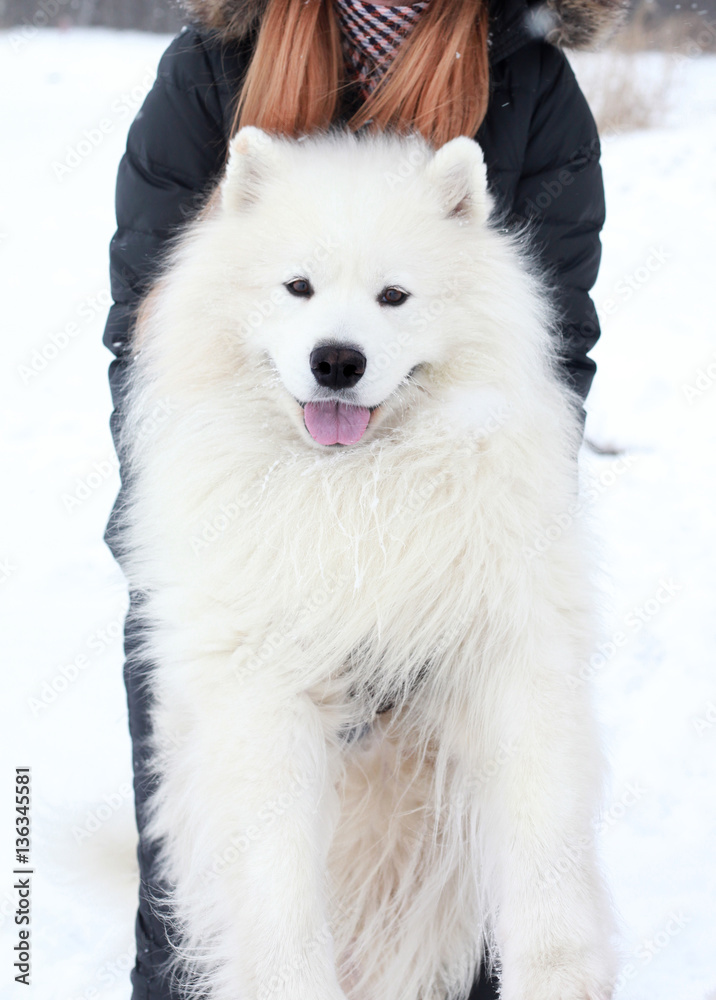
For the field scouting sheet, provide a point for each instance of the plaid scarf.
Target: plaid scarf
(370, 34)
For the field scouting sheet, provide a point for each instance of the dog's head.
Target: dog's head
(353, 284)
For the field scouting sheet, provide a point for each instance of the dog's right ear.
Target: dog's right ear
(458, 171)
(252, 154)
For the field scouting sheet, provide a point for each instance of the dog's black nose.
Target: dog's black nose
(337, 367)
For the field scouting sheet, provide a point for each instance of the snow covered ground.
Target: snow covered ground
(68, 100)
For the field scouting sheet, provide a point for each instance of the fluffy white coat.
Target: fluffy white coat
(315, 849)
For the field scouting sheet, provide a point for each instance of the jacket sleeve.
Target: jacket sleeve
(176, 148)
(561, 193)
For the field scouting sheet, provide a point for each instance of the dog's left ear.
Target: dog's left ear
(252, 155)
(458, 171)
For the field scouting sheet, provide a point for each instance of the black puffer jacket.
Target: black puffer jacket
(538, 137)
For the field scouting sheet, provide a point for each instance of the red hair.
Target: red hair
(436, 84)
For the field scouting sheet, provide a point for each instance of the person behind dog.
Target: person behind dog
(492, 70)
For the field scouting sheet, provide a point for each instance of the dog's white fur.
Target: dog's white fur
(316, 849)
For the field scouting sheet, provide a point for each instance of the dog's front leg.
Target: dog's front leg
(246, 811)
(551, 917)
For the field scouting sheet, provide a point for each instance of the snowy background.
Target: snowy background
(653, 406)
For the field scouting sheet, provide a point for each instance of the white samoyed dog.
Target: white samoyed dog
(375, 768)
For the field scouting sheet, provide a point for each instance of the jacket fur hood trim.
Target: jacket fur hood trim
(578, 24)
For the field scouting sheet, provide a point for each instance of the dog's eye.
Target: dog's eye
(300, 286)
(392, 296)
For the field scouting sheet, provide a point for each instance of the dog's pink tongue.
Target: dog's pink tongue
(335, 423)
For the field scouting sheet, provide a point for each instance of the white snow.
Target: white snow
(69, 98)
(655, 397)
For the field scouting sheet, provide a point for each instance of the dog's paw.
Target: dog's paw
(302, 984)
(559, 977)
(301, 993)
